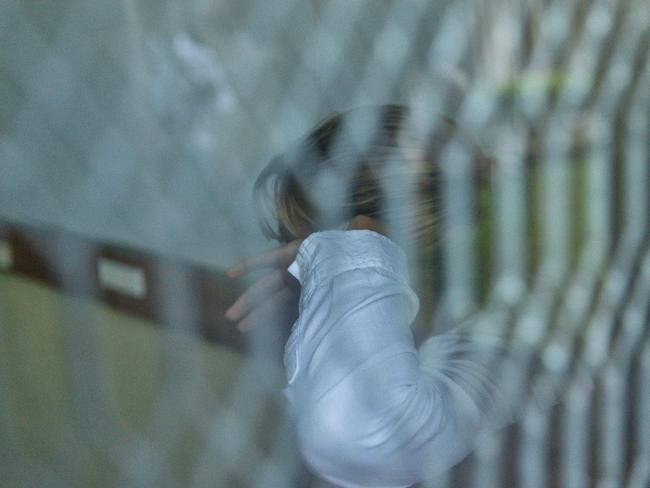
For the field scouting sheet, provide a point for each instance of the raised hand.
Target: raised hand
(271, 300)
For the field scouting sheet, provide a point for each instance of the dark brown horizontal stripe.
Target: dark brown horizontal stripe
(69, 262)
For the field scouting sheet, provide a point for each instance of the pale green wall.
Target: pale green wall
(81, 383)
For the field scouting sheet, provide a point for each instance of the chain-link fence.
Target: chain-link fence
(145, 123)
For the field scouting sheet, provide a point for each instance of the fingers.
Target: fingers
(273, 299)
(280, 256)
(258, 292)
(278, 311)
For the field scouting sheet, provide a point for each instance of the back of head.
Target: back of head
(367, 161)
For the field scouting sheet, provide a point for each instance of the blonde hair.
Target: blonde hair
(359, 148)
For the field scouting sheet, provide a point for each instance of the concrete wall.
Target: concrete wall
(145, 122)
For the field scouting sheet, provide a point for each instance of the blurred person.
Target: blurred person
(370, 409)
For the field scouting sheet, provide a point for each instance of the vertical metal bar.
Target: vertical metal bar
(556, 198)
(576, 435)
(488, 461)
(533, 462)
(460, 260)
(643, 404)
(640, 472)
(511, 235)
(612, 446)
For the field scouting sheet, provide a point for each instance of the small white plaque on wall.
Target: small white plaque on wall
(122, 278)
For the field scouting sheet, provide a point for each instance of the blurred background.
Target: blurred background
(130, 135)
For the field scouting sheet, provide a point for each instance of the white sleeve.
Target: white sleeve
(368, 410)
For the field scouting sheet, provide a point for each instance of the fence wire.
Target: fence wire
(145, 123)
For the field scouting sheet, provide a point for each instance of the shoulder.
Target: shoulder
(327, 253)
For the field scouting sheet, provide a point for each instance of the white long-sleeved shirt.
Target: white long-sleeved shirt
(369, 409)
